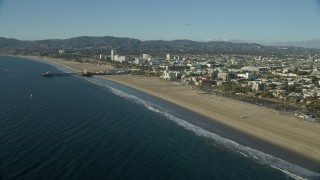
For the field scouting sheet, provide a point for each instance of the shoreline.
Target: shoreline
(298, 137)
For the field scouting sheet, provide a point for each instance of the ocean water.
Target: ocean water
(73, 127)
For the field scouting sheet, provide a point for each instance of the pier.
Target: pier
(50, 74)
(87, 73)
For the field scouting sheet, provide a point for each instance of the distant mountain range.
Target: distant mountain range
(315, 43)
(135, 45)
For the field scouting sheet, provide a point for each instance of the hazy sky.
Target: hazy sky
(200, 20)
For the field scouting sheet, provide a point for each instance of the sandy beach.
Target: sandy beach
(293, 134)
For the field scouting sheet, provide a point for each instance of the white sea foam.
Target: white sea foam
(290, 174)
(291, 170)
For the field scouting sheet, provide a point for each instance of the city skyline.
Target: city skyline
(257, 21)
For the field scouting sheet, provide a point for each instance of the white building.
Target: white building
(259, 58)
(168, 57)
(170, 75)
(121, 58)
(102, 56)
(115, 57)
(248, 75)
(146, 57)
(258, 86)
(61, 51)
(224, 76)
(139, 61)
(250, 68)
(113, 53)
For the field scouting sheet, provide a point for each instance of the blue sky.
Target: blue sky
(200, 20)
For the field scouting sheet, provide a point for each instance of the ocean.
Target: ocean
(72, 127)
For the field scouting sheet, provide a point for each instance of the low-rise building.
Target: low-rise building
(121, 58)
(223, 76)
(248, 76)
(139, 61)
(170, 75)
(146, 57)
(258, 86)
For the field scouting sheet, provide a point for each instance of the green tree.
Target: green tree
(314, 79)
(314, 105)
(266, 94)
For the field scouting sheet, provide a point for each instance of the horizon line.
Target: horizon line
(239, 41)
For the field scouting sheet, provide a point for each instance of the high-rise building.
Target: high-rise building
(113, 52)
(168, 57)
